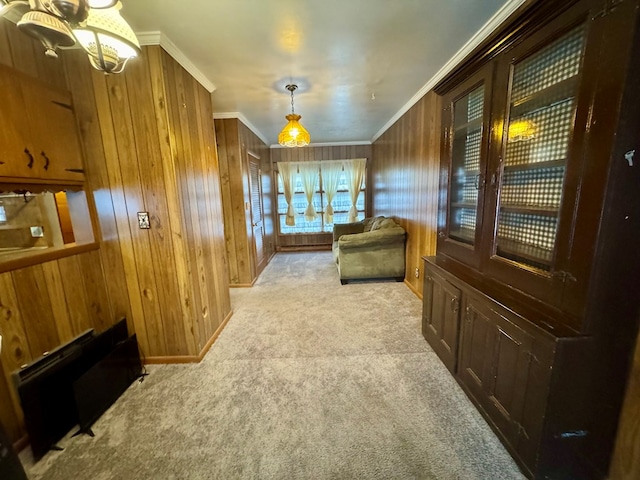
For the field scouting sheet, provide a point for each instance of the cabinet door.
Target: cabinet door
(16, 158)
(534, 174)
(463, 167)
(55, 135)
(440, 319)
(494, 364)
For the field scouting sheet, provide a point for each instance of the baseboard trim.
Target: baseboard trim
(413, 289)
(303, 248)
(21, 443)
(191, 358)
(240, 285)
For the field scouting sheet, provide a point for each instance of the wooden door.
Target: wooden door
(16, 157)
(52, 119)
(440, 320)
(257, 220)
(494, 364)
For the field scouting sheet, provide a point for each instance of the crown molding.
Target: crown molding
(243, 119)
(159, 38)
(481, 35)
(329, 144)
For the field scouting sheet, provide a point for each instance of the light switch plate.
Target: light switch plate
(143, 220)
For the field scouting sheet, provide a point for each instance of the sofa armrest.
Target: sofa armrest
(340, 229)
(387, 236)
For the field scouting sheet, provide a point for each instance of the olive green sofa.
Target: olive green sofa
(371, 248)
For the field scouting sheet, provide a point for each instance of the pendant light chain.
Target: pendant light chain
(292, 111)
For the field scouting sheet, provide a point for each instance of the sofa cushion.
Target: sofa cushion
(386, 223)
(370, 222)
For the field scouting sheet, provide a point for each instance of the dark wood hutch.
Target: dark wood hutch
(532, 300)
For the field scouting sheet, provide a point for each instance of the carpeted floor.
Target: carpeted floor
(309, 380)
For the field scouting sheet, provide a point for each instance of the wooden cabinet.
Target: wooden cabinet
(441, 318)
(538, 219)
(495, 356)
(38, 133)
(518, 375)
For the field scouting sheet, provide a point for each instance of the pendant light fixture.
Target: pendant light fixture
(293, 134)
(95, 24)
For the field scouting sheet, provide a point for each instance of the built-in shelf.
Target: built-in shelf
(535, 165)
(530, 210)
(475, 124)
(514, 250)
(545, 98)
(469, 205)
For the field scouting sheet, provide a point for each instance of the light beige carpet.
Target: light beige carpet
(309, 380)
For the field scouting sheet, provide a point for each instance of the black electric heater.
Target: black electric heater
(75, 384)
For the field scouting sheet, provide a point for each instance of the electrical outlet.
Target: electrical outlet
(417, 272)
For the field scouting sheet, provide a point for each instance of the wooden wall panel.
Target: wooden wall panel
(404, 179)
(170, 281)
(197, 163)
(41, 307)
(625, 464)
(235, 143)
(337, 152)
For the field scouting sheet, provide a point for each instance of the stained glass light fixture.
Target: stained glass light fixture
(293, 134)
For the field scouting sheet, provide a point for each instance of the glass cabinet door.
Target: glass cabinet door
(541, 114)
(466, 116)
(465, 165)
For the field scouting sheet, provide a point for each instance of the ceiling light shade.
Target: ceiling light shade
(102, 3)
(293, 134)
(13, 11)
(47, 28)
(108, 39)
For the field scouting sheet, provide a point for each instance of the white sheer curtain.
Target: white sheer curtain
(354, 171)
(330, 173)
(309, 173)
(287, 174)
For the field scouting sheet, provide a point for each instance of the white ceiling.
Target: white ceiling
(359, 64)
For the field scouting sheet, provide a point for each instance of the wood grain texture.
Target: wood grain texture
(236, 142)
(307, 154)
(404, 180)
(625, 464)
(149, 145)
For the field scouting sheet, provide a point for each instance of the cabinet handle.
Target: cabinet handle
(30, 164)
(74, 170)
(454, 305)
(46, 160)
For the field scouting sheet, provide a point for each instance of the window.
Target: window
(341, 202)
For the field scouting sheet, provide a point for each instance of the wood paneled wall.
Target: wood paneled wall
(149, 145)
(45, 305)
(626, 457)
(404, 180)
(235, 142)
(41, 307)
(338, 152)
